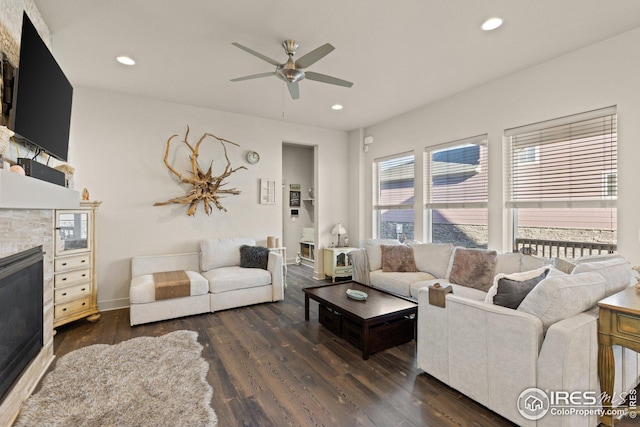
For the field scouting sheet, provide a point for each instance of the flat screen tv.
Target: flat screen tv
(42, 96)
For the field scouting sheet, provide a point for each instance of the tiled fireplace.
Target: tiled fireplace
(26, 221)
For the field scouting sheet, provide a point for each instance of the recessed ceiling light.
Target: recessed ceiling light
(125, 60)
(492, 23)
(336, 107)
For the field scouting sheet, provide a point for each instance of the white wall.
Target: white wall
(598, 76)
(117, 144)
(297, 168)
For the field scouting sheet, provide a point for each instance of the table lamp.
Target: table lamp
(338, 229)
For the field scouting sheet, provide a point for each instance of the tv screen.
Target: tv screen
(42, 96)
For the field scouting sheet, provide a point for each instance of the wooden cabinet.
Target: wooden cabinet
(336, 262)
(75, 293)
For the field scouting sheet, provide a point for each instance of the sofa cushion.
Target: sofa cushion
(433, 258)
(563, 265)
(398, 283)
(508, 263)
(473, 268)
(231, 278)
(374, 253)
(254, 257)
(397, 258)
(143, 288)
(559, 297)
(616, 271)
(531, 262)
(216, 253)
(458, 290)
(508, 290)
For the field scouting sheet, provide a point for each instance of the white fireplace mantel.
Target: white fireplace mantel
(25, 192)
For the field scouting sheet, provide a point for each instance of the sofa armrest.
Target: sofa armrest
(485, 351)
(142, 265)
(274, 266)
(360, 266)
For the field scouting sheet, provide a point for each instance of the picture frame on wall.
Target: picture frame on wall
(267, 192)
(294, 198)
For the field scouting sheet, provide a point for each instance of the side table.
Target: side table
(618, 324)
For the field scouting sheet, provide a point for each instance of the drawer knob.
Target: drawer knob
(84, 274)
(64, 278)
(84, 289)
(64, 294)
(64, 263)
(84, 260)
(64, 309)
(84, 303)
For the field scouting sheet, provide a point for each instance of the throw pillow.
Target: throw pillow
(398, 258)
(509, 290)
(254, 257)
(560, 297)
(374, 253)
(473, 268)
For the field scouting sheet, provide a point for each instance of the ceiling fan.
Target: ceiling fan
(291, 71)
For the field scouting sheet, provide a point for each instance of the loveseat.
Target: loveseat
(224, 274)
(492, 353)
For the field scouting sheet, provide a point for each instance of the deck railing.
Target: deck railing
(562, 249)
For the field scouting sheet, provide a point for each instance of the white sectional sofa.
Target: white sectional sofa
(492, 353)
(218, 281)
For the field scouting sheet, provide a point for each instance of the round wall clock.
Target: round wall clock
(253, 157)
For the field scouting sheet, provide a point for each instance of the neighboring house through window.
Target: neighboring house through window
(393, 198)
(569, 192)
(456, 192)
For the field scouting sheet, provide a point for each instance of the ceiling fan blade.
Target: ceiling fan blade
(294, 90)
(323, 78)
(258, 54)
(253, 76)
(314, 56)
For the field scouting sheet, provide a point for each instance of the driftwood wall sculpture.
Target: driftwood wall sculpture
(206, 187)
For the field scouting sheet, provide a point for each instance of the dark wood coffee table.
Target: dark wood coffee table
(377, 323)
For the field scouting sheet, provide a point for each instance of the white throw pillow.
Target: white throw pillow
(374, 253)
(216, 253)
(560, 297)
(617, 273)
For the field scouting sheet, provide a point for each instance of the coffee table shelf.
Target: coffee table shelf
(375, 324)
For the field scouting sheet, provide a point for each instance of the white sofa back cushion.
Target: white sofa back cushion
(559, 297)
(433, 258)
(617, 273)
(216, 253)
(374, 253)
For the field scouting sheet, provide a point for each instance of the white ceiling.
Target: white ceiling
(400, 54)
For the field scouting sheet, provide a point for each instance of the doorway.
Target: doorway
(299, 203)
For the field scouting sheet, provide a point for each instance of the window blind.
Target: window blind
(565, 163)
(456, 174)
(395, 182)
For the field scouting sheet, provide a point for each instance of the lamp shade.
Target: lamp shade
(338, 229)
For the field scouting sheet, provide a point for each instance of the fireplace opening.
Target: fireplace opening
(21, 302)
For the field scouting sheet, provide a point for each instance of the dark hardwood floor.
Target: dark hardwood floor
(269, 367)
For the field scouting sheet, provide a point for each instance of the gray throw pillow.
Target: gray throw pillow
(510, 293)
(254, 257)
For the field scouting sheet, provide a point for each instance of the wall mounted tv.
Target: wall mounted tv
(41, 111)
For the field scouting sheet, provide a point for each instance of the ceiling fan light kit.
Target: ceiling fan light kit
(291, 71)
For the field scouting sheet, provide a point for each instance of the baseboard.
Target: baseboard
(114, 304)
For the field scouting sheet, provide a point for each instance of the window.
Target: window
(456, 192)
(393, 198)
(569, 193)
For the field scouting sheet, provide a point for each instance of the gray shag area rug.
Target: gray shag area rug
(144, 381)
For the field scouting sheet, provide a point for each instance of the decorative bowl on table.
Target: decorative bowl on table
(356, 294)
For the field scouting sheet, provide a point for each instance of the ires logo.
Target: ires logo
(534, 403)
